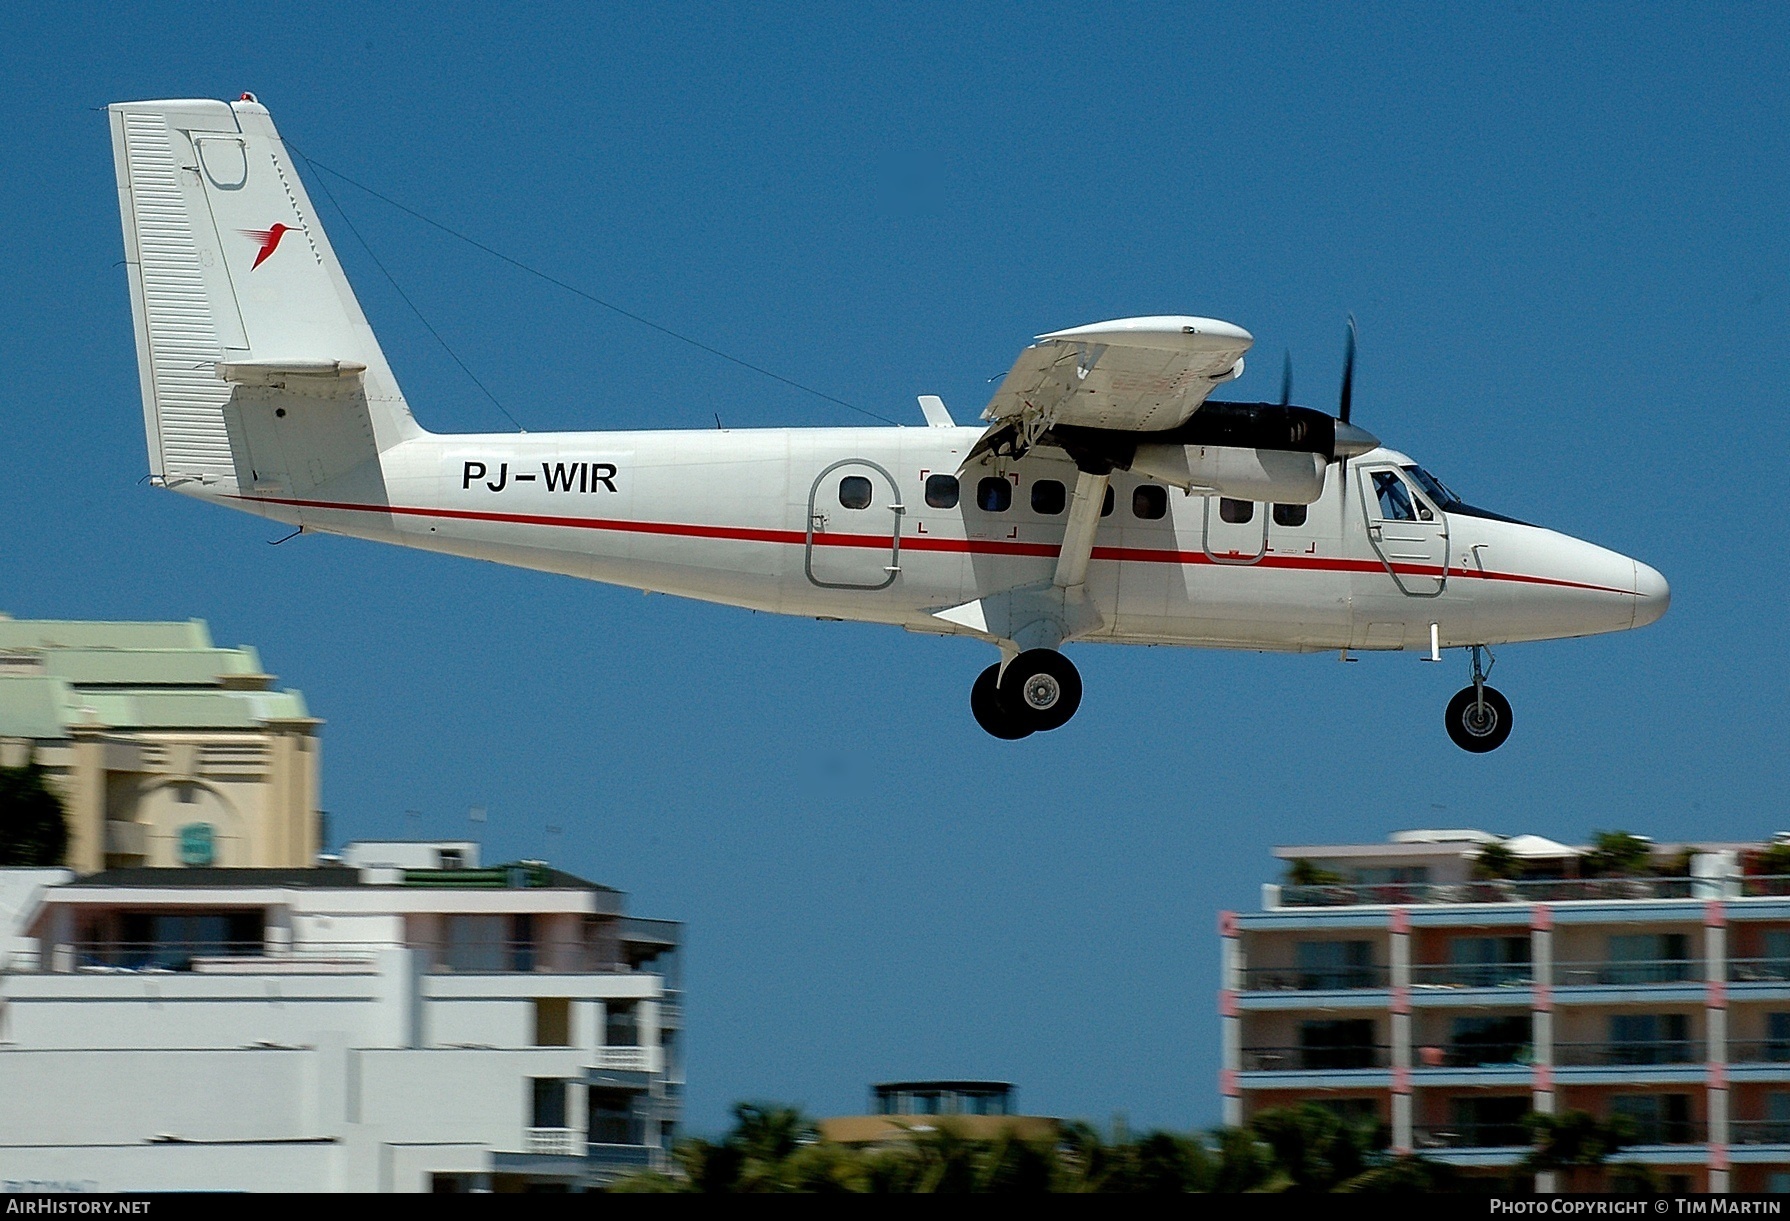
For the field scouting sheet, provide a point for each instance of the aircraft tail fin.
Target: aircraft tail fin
(240, 303)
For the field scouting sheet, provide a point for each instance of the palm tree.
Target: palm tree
(33, 831)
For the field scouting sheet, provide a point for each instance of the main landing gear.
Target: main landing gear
(1478, 716)
(1039, 691)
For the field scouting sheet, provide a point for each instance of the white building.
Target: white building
(374, 1029)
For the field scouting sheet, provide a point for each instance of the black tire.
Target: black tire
(1475, 731)
(1042, 688)
(990, 710)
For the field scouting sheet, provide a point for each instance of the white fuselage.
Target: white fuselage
(763, 519)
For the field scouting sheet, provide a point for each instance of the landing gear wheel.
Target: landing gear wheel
(1042, 688)
(1475, 725)
(989, 710)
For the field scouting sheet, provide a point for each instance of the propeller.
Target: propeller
(1286, 379)
(1350, 440)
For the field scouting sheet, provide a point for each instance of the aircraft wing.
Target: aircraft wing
(1137, 374)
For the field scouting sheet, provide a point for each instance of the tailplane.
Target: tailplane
(260, 375)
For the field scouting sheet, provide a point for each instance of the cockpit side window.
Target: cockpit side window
(1394, 497)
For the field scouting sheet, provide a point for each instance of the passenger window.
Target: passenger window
(941, 491)
(1149, 501)
(1237, 512)
(1048, 497)
(1394, 497)
(1289, 515)
(1106, 506)
(994, 495)
(854, 492)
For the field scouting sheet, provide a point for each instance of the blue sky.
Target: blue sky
(1562, 229)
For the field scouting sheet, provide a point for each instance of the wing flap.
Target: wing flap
(1137, 374)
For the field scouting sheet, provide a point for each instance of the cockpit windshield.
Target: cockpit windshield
(1433, 487)
(1445, 498)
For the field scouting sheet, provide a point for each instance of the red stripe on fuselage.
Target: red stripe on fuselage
(921, 542)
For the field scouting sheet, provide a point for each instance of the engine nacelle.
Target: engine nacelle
(1278, 475)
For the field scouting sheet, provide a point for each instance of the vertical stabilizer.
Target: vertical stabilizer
(230, 269)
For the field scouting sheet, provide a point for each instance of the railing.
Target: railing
(1656, 971)
(1767, 886)
(1548, 890)
(625, 1059)
(602, 1154)
(1759, 1051)
(1470, 1055)
(1758, 970)
(1472, 1136)
(1473, 975)
(1625, 1055)
(1317, 979)
(1759, 1132)
(453, 957)
(1664, 1131)
(1314, 1059)
(557, 1142)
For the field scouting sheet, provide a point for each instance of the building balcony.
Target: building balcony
(1314, 1059)
(1474, 1055)
(1759, 1051)
(625, 1059)
(1547, 890)
(1658, 1132)
(1626, 974)
(1473, 975)
(1471, 1136)
(555, 1142)
(1758, 1132)
(1627, 1055)
(1758, 971)
(1325, 979)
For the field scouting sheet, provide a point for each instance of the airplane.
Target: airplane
(1103, 497)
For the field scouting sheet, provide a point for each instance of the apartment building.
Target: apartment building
(1398, 982)
(415, 1023)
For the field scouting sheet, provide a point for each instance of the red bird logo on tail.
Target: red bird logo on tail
(267, 239)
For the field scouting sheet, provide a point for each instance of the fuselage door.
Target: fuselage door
(854, 527)
(1406, 530)
(1236, 531)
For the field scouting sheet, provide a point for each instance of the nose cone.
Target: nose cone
(1652, 594)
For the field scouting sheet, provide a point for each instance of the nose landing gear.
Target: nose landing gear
(1479, 717)
(1040, 690)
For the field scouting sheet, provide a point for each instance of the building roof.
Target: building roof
(58, 674)
(336, 877)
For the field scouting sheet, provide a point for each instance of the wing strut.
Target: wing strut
(1078, 535)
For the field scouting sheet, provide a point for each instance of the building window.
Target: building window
(451, 858)
(1291, 516)
(994, 495)
(1328, 965)
(1648, 958)
(1488, 1123)
(1474, 1041)
(553, 1021)
(1650, 1038)
(615, 1117)
(1048, 497)
(1149, 502)
(549, 1102)
(941, 491)
(621, 1025)
(1656, 1119)
(1237, 512)
(1337, 1043)
(1488, 962)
